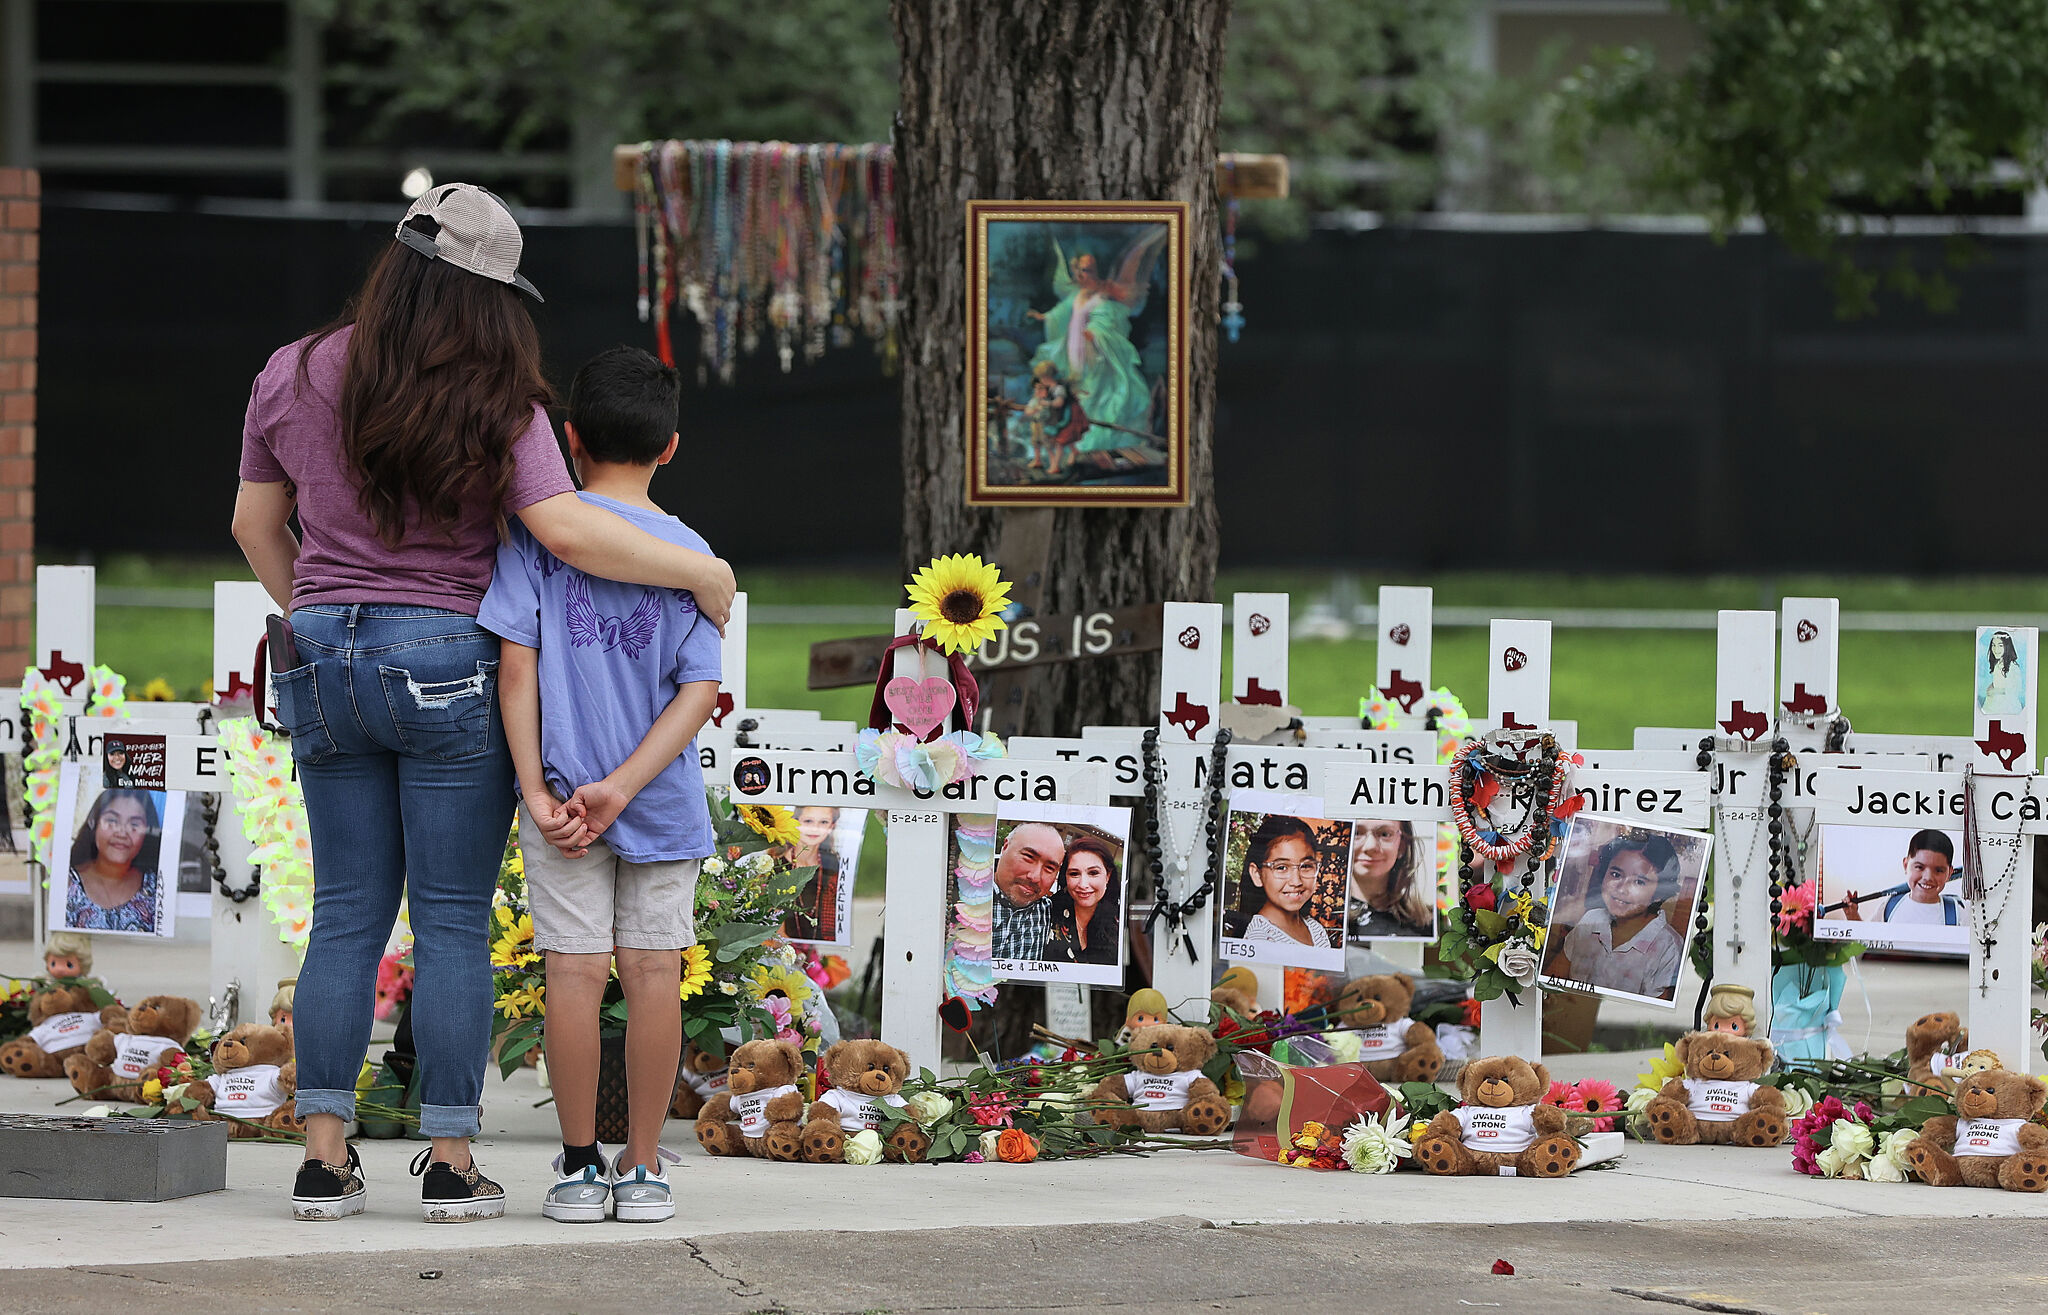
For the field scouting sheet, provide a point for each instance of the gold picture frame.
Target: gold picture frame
(1077, 353)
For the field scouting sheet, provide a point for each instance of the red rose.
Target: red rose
(1479, 897)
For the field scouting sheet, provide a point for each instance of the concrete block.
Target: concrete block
(80, 1159)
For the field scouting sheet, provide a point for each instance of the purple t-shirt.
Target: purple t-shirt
(612, 657)
(293, 432)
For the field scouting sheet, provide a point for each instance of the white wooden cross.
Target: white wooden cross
(2003, 802)
(913, 977)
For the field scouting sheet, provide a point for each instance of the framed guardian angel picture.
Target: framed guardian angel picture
(1077, 353)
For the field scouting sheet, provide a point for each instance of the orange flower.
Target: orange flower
(1015, 1146)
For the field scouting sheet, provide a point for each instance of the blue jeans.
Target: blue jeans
(398, 742)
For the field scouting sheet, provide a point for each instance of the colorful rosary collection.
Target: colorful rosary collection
(768, 239)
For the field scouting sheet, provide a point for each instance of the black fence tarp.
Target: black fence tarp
(1593, 400)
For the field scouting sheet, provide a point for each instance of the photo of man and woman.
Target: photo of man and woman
(828, 839)
(1393, 882)
(1896, 887)
(1621, 910)
(1059, 898)
(111, 855)
(1286, 880)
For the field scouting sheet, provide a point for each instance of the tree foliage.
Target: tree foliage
(1810, 114)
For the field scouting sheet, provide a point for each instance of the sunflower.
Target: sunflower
(958, 599)
(696, 970)
(772, 822)
(767, 979)
(158, 691)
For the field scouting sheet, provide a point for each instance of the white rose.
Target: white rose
(1639, 1099)
(988, 1143)
(1519, 963)
(928, 1107)
(1797, 1103)
(864, 1147)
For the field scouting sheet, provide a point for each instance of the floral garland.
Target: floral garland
(902, 760)
(41, 701)
(969, 972)
(273, 810)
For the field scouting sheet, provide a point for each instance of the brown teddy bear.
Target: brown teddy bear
(702, 1077)
(1237, 992)
(62, 1018)
(131, 1045)
(1990, 1141)
(1719, 1102)
(865, 1075)
(757, 1113)
(1933, 1043)
(1168, 1090)
(1392, 1046)
(1503, 1126)
(254, 1078)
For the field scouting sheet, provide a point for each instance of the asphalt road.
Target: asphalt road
(1867, 1266)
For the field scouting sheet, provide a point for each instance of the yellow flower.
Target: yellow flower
(1662, 1070)
(526, 1002)
(512, 950)
(696, 970)
(772, 822)
(958, 599)
(1416, 1130)
(766, 979)
(152, 1091)
(159, 691)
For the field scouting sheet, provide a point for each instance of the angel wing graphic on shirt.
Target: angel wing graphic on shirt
(588, 626)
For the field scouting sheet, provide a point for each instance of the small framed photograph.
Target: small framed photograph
(1286, 879)
(114, 862)
(2002, 662)
(1621, 909)
(829, 839)
(1077, 353)
(1893, 888)
(1395, 875)
(1060, 893)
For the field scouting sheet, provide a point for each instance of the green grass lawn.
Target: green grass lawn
(1610, 681)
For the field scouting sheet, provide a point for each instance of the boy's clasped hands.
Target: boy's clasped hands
(570, 825)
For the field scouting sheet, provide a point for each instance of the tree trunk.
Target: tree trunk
(1082, 100)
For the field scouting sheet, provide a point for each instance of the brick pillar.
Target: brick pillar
(20, 255)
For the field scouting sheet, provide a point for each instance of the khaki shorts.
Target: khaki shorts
(599, 902)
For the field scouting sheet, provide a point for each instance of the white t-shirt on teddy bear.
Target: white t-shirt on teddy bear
(1507, 1131)
(1988, 1136)
(1383, 1040)
(61, 1032)
(858, 1112)
(1162, 1091)
(254, 1092)
(133, 1053)
(1717, 1101)
(706, 1085)
(753, 1109)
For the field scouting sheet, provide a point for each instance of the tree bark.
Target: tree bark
(1080, 100)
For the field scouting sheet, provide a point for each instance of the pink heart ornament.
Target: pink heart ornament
(919, 706)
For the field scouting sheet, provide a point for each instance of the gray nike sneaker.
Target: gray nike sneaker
(577, 1198)
(641, 1196)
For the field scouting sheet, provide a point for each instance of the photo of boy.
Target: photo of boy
(1922, 911)
(604, 687)
(1622, 909)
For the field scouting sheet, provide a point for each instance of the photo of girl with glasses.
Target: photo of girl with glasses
(114, 879)
(1286, 900)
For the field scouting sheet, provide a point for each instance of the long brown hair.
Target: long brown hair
(442, 375)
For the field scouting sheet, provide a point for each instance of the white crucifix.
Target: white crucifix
(915, 883)
(1744, 729)
(1994, 809)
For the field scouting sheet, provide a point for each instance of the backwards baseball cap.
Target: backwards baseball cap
(475, 232)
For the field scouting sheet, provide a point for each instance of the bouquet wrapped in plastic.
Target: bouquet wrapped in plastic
(1299, 1100)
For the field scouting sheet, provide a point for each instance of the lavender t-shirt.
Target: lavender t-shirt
(293, 432)
(612, 657)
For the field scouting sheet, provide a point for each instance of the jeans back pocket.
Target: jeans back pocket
(298, 710)
(439, 714)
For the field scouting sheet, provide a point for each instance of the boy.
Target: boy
(1929, 865)
(604, 686)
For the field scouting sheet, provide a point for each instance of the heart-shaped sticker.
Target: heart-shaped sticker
(1399, 634)
(1260, 623)
(1807, 631)
(1190, 638)
(1514, 659)
(919, 706)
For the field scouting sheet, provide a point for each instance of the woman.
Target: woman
(1388, 900)
(1281, 871)
(1085, 926)
(815, 915)
(1625, 942)
(114, 884)
(403, 434)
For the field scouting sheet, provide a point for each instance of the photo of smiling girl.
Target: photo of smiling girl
(1286, 900)
(1622, 909)
(118, 856)
(1393, 882)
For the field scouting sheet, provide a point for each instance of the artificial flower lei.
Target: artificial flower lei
(970, 974)
(901, 759)
(273, 812)
(42, 703)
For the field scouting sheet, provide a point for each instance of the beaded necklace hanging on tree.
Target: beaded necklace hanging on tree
(1158, 842)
